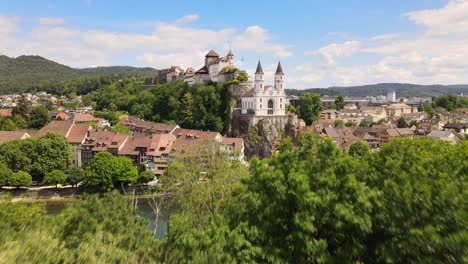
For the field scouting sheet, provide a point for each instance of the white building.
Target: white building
(391, 96)
(265, 100)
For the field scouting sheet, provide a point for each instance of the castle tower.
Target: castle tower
(230, 57)
(211, 56)
(259, 78)
(279, 78)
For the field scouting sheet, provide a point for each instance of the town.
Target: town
(247, 132)
(154, 146)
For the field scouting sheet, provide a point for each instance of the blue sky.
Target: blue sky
(320, 43)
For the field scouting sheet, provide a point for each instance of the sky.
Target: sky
(320, 43)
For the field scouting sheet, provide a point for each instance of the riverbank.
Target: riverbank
(65, 193)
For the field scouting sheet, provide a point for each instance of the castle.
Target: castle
(255, 100)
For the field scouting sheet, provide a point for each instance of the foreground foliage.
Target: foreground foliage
(310, 203)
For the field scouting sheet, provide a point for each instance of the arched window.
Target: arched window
(270, 107)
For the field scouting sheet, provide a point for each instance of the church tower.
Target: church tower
(258, 78)
(279, 78)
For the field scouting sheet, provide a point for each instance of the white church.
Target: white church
(266, 101)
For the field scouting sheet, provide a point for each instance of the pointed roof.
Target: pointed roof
(230, 53)
(212, 53)
(279, 70)
(259, 68)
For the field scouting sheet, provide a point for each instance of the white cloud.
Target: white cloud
(169, 43)
(334, 51)
(187, 19)
(8, 25)
(48, 21)
(384, 37)
(451, 19)
(436, 54)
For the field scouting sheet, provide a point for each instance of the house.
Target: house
(6, 136)
(329, 114)
(76, 138)
(158, 154)
(446, 135)
(233, 147)
(62, 116)
(397, 110)
(458, 127)
(195, 143)
(98, 140)
(386, 135)
(135, 148)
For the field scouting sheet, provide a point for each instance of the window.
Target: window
(281, 106)
(260, 105)
(260, 100)
(281, 100)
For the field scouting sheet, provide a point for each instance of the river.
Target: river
(144, 210)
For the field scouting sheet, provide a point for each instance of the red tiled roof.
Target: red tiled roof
(203, 70)
(137, 141)
(161, 144)
(6, 136)
(212, 53)
(78, 117)
(78, 133)
(135, 123)
(56, 126)
(6, 112)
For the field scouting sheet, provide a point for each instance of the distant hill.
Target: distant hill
(401, 89)
(16, 74)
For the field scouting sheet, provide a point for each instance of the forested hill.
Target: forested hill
(401, 89)
(18, 74)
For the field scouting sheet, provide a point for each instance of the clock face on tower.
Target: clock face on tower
(271, 93)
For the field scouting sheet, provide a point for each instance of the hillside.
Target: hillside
(401, 89)
(17, 74)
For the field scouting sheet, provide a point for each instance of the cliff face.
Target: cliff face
(258, 140)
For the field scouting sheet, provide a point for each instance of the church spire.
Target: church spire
(279, 70)
(259, 68)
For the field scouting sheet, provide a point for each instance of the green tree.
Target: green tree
(351, 124)
(413, 123)
(51, 152)
(5, 174)
(420, 213)
(359, 149)
(99, 173)
(338, 122)
(339, 102)
(145, 176)
(75, 176)
(290, 108)
(429, 109)
(22, 108)
(39, 117)
(7, 124)
(19, 121)
(305, 205)
(55, 177)
(107, 171)
(364, 123)
(402, 123)
(309, 107)
(21, 179)
(186, 112)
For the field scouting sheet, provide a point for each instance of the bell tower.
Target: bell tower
(279, 78)
(259, 78)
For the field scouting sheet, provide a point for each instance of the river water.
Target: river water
(143, 209)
